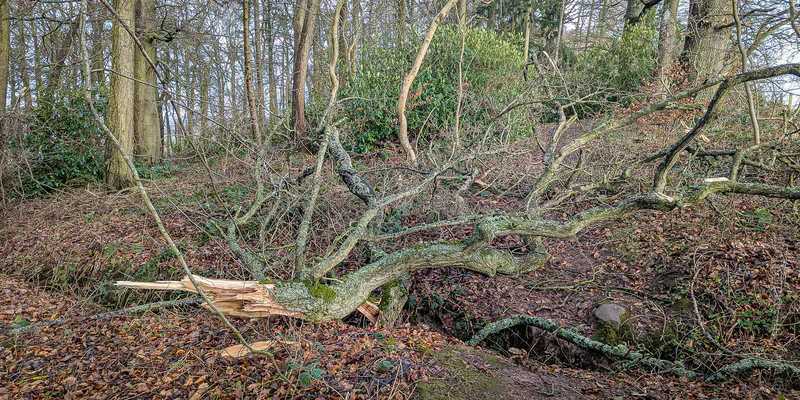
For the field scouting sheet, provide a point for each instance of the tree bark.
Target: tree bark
(273, 82)
(709, 38)
(120, 107)
(59, 57)
(462, 13)
(527, 45)
(232, 56)
(248, 76)
(24, 72)
(667, 41)
(147, 129)
(98, 60)
(751, 108)
(5, 53)
(259, 61)
(633, 13)
(305, 20)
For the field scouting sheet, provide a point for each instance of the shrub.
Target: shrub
(616, 70)
(492, 76)
(63, 144)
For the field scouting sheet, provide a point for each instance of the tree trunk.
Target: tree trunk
(305, 20)
(220, 89)
(120, 107)
(751, 107)
(204, 102)
(232, 56)
(273, 82)
(352, 52)
(709, 38)
(24, 72)
(37, 61)
(526, 49)
(491, 16)
(667, 40)
(462, 13)
(5, 52)
(551, 27)
(54, 76)
(98, 60)
(259, 61)
(248, 76)
(411, 155)
(633, 13)
(147, 129)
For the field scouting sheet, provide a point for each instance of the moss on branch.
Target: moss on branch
(634, 357)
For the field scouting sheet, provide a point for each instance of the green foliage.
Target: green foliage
(307, 373)
(63, 143)
(159, 171)
(757, 219)
(492, 66)
(619, 67)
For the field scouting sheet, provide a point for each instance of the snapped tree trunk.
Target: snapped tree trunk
(120, 106)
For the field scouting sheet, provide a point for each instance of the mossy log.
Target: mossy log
(634, 357)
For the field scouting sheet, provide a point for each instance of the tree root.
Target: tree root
(621, 351)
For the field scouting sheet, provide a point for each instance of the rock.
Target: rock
(610, 313)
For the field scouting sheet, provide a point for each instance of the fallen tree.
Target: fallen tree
(315, 292)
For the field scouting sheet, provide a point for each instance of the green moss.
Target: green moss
(462, 380)
(386, 296)
(682, 304)
(608, 334)
(319, 290)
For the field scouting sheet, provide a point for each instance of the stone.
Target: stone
(610, 313)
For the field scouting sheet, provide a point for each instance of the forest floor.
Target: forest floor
(735, 265)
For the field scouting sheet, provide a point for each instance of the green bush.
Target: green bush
(63, 144)
(492, 75)
(616, 70)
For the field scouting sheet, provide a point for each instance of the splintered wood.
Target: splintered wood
(237, 298)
